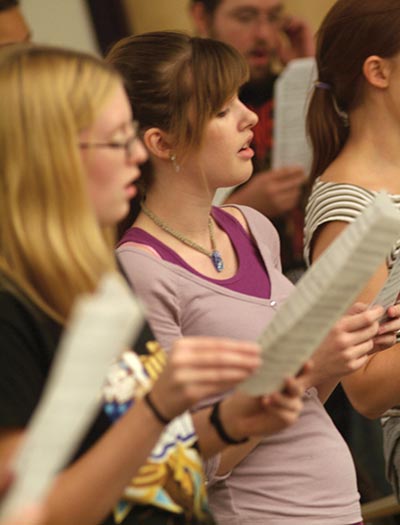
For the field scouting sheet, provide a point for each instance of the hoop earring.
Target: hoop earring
(175, 164)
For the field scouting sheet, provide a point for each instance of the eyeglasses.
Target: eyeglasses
(251, 16)
(127, 145)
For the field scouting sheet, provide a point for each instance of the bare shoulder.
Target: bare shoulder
(324, 236)
(358, 172)
(341, 172)
(238, 215)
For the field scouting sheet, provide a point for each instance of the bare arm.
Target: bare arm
(87, 490)
(203, 370)
(364, 386)
(346, 348)
(244, 416)
(80, 494)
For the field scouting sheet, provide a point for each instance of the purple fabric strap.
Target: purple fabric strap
(251, 277)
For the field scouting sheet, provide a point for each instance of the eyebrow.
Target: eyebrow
(251, 9)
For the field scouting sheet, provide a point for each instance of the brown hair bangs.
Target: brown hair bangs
(216, 73)
(177, 82)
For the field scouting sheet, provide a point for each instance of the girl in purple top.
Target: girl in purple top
(203, 270)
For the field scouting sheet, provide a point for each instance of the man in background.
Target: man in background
(268, 38)
(13, 27)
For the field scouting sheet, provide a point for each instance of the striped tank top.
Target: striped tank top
(331, 201)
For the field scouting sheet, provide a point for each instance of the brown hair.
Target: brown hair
(176, 82)
(352, 31)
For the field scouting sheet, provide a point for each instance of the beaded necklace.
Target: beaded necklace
(213, 254)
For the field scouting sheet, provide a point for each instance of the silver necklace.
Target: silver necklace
(213, 254)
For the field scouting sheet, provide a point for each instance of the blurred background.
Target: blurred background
(93, 25)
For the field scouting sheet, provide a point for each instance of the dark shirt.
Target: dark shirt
(28, 342)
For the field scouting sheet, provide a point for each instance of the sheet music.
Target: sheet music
(292, 91)
(323, 294)
(389, 293)
(101, 326)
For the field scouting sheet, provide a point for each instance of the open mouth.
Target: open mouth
(245, 147)
(246, 152)
(247, 144)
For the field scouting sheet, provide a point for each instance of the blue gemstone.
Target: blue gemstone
(217, 261)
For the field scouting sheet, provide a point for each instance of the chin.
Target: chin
(121, 216)
(113, 219)
(244, 177)
(248, 176)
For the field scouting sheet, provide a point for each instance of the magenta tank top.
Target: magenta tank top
(251, 277)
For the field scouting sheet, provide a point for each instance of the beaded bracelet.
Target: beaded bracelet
(217, 424)
(157, 414)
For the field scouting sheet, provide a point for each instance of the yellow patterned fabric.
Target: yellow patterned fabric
(172, 478)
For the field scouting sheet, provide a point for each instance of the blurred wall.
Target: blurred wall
(313, 10)
(60, 22)
(153, 15)
(150, 15)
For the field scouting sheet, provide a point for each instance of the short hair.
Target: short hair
(51, 245)
(8, 4)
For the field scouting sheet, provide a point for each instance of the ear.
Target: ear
(377, 71)
(157, 143)
(201, 19)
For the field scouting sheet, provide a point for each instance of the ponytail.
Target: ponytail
(326, 129)
(351, 31)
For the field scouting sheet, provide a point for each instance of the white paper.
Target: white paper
(292, 92)
(222, 194)
(323, 294)
(389, 293)
(101, 326)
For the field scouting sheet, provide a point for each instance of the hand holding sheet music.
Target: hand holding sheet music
(389, 293)
(101, 326)
(323, 294)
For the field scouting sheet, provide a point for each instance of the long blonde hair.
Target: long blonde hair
(51, 245)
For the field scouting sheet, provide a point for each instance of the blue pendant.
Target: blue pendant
(217, 261)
